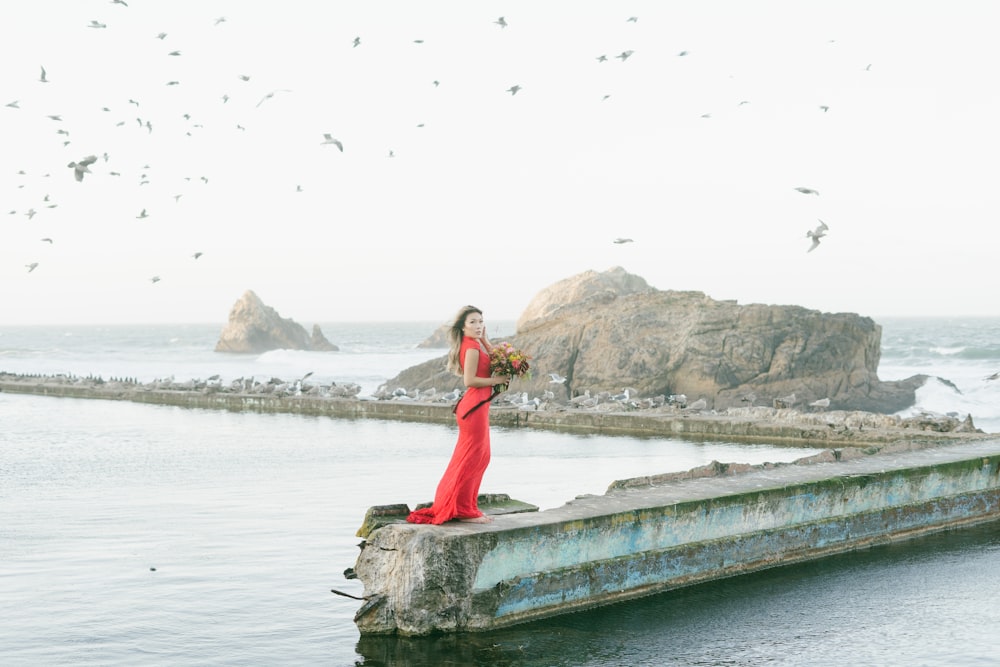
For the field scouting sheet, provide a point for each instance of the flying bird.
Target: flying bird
(197, 255)
(824, 108)
(32, 266)
(816, 235)
(82, 167)
(622, 240)
(142, 214)
(13, 105)
(31, 213)
(994, 376)
(356, 42)
(174, 53)
(154, 279)
(161, 35)
(513, 89)
(501, 22)
(47, 240)
(821, 404)
(624, 55)
(601, 58)
(556, 378)
(632, 19)
(42, 77)
(119, 2)
(328, 139)
(272, 94)
(97, 24)
(807, 191)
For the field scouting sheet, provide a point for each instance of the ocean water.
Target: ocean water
(136, 534)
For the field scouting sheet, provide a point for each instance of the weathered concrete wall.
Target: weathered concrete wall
(636, 541)
(741, 425)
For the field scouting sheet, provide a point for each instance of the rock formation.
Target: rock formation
(609, 331)
(255, 327)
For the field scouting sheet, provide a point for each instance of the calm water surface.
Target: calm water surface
(150, 535)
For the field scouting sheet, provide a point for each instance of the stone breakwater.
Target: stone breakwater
(749, 424)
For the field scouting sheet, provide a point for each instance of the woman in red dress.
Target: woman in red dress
(458, 490)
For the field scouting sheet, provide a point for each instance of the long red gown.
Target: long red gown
(458, 489)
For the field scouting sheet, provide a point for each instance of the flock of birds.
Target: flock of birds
(626, 400)
(85, 166)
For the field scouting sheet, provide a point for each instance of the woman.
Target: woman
(458, 490)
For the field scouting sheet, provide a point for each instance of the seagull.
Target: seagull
(119, 2)
(161, 35)
(808, 191)
(632, 19)
(556, 378)
(624, 55)
(750, 397)
(271, 94)
(786, 401)
(97, 24)
(700, 404)
(221, 19)
(13, 105)
(197, 255)
(824, 108)
(357, 41)
(31, 213)
(624, 396)
(80, 168)
(47, 240)
(822, 403)
(330, 140)
(245, 77)
(995, 376)
(453, 395)
(501, 22)
(621, 240)
(601, 58)
(154, 279)
(42, 77)
(32, 266)
(816, 235)
(142, 214)
(174, 53)
(513, 89)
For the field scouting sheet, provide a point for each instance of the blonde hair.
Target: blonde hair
(455, 334)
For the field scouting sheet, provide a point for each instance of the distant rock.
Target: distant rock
(608, 331)
(437, 339)
(319, 343)
(255, 327)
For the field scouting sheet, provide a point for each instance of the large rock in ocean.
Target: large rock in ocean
(608, 331)
(255, 327)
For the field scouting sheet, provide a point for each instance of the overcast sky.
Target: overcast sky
(452, 190)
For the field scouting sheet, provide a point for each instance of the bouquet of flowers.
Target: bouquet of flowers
(505, 359)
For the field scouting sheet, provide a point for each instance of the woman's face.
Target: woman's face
(474, 325)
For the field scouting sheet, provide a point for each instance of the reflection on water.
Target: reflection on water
(905, 603)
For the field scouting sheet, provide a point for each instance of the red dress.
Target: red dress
(458, 490)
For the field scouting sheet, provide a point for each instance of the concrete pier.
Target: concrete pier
(654, 534)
